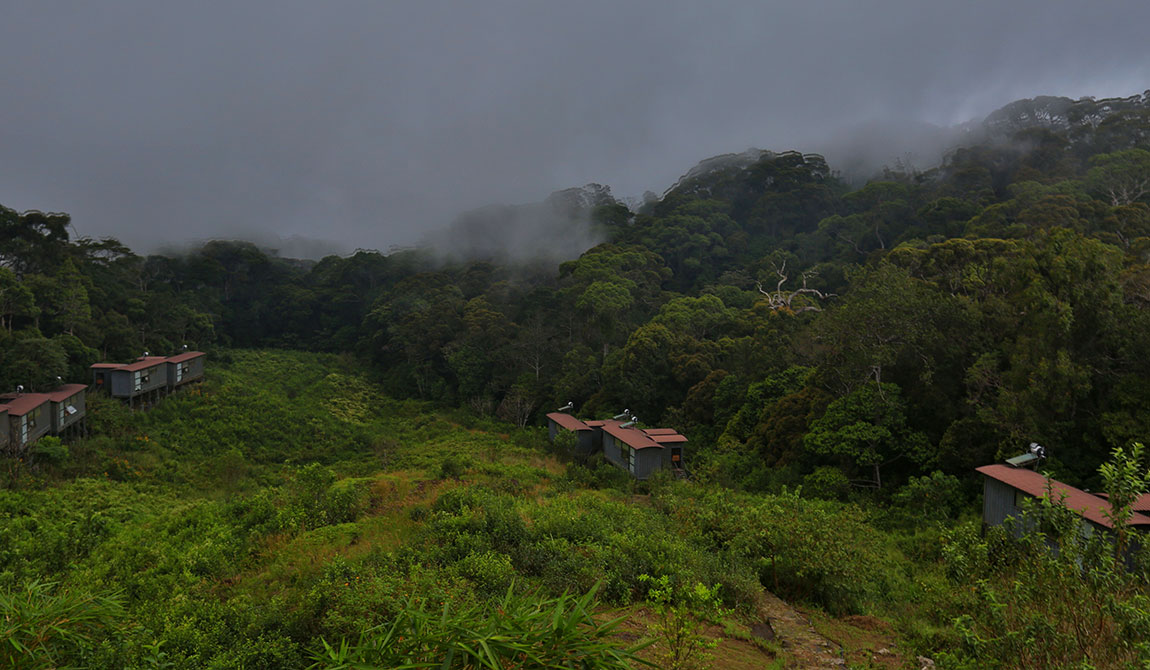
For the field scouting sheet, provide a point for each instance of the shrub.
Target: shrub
(515, 631)
(452, 467)
(828, 483)
(677, 628)
(43, 626)
(1055, 598)
(490, 571)
(49, 449)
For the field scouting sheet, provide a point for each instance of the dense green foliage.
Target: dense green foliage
(185, 537)
(513, 632)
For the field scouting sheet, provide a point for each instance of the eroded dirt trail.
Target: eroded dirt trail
(803, 645)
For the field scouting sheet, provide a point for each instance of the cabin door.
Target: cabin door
(676, 457)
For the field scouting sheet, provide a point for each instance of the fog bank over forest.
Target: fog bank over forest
(374, 124)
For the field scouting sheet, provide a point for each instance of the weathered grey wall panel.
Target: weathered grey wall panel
(611, 449)
(61, 419)
(120, 384)
(195, 369)
(150, 379)
(997, 501)
(37, 423)
(648, 462)
(586, 444)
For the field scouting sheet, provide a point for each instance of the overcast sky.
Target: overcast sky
(367, 123)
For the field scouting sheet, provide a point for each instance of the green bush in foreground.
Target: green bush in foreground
(45, 627)
(517, 632)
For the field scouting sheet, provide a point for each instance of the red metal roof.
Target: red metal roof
(186, 356)
(66, 391)
(567, 421)
(144, 363)
(105, 366)
(1028, 481)
(1141, 503)
(662, 438)
(595, 423)
(660, 431)
(630, 436)
(19, 405)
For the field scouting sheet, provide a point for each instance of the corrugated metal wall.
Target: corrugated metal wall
(78, 401)
(611, 450)
(586, 443)
(997, 501)
(195, 369)
(121, 384)
(123, 381)
(648, 462)
(43, 422)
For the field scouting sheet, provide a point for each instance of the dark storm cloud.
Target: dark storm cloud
(369, 123)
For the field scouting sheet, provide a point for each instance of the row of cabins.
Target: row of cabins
(640, 452)
(26, 417)
(148, 377)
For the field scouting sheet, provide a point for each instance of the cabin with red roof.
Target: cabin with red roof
(185, 368)
(640, 452)
(67, 405)
(1005, 488)
(584, 436)
(144, 378)
(100, 375)
(5, 429)
(148, 377)
(28, 418)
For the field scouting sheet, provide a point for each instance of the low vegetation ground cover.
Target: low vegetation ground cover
(287, 514)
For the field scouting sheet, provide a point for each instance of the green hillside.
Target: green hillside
(287, 505)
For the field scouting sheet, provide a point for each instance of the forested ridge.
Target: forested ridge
(362, 480)
(954, 315)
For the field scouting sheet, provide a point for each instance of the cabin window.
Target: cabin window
(34, 417)
(631, 459)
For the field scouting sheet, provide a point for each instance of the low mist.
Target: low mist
(556, 229)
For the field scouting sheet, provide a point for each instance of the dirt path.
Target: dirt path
(803, 645)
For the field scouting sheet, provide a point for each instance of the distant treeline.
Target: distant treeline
(795, 329)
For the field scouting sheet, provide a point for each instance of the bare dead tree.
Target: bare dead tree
(516, 407)
(780, 299)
